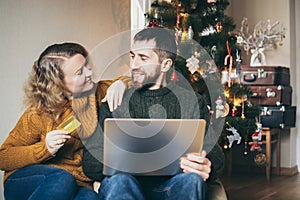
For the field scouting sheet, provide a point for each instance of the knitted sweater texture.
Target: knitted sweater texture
(26, 144)
(172, 102)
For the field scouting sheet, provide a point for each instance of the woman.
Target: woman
(40, 160)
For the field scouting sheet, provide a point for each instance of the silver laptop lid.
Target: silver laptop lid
(149, 146)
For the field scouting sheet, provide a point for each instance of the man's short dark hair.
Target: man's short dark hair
(165, 41)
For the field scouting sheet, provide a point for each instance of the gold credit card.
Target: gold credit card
(69, 124)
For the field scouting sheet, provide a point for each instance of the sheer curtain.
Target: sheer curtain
(138, 9)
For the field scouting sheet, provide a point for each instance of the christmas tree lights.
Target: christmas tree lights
(208, 49)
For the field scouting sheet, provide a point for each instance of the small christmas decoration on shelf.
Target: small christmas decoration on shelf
(265, 36)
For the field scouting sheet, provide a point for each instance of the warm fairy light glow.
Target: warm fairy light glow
(227, 93)
(237, 101)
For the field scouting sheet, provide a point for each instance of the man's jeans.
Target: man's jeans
(182, 186)
(37, 182)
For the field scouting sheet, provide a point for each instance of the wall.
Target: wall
(296, 50)
(27, 27)
(284, 11)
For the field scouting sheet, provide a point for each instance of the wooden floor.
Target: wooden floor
(255, 187)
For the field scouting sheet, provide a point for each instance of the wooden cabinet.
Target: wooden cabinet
(270, 139)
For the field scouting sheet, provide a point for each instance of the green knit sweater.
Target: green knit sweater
(172, 102)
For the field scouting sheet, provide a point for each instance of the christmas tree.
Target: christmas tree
(209, 55)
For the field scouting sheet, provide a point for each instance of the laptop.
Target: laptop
(149, 147)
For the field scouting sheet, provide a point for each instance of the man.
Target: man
(153, 96)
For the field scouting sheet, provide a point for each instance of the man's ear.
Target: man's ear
(166, 64)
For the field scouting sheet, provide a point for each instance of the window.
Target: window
(138, 9)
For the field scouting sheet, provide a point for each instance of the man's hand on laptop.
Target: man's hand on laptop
(197, 163)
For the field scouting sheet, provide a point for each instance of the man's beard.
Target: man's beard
(141, 80)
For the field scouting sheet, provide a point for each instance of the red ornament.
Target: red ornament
(233, 111)
(219, 27)
(153, 23)
(255, 144)
(174, 76)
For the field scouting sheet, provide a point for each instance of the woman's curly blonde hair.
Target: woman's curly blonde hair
(45, 89)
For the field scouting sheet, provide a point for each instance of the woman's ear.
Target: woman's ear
(166, 64)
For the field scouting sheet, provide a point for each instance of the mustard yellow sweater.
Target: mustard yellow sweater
(26, 145)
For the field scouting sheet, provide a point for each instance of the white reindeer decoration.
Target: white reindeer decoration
(234, 137)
